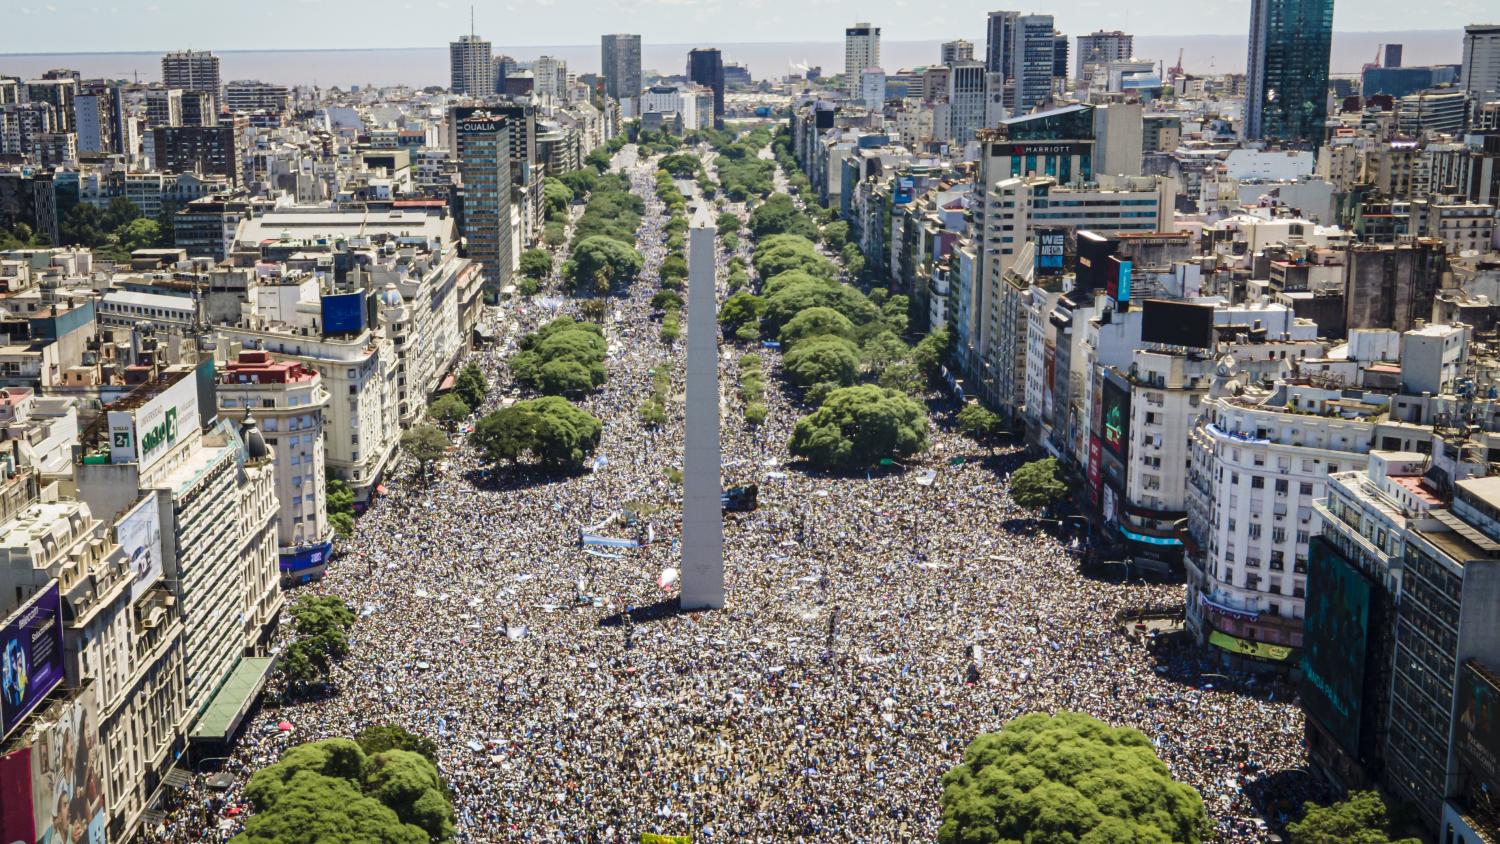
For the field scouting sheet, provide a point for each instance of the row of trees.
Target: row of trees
(603, 253)
(384, 787)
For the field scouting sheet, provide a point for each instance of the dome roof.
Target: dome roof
(255, 444)
(390, 296)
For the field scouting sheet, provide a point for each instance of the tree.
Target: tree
(1035, 485)
(425, 444)
(536, 264)
(780, 215)
(140, 233)
(836, 234)
(858, 426)
(667, 300)
(815, 322)
(930, 352)
(556, 197)
(563, 377)
(340, 503)
(675, 266)
(882, 349)
(1067, 777)
(471, 386)
(903, 377)
(599, 262)
(785, 253)
(794, 298)
(1361, 818)
(304, 664)
(979, 422)
(550, 429)
(382, 737)
(332, 791)
(449, 410)
(755, 413)
(822, 359)
(562, 357)
(727, 223)
(742, 308)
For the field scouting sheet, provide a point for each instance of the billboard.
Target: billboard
(1096, 470)
(146, 433)
(31, 656)
(1476, 738)
(67, 776)
(1117, 287)
(1177, 323)
(139, 535)
(1115, 423)
(1051, 247)
(906, 188)
(1334, 644)
(344, 313)
(16, 822)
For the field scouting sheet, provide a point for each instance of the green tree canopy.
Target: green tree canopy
(978, 421)
(857, 426)
(792, 299)
(815, 322)
(331, 791)
(1036, 485)
(471, 385)
(600, 262)
(449, 410)
(727, 223)
(550, 429)
(536, 264)
(836, 234)
(742, 308)
(780, 215)
(1361, 818)
(556, 197)
(1067, 777)
(425, 444)
(563, 357)
(379, 738)
(931, 351)
(825, 359)
(785, 253)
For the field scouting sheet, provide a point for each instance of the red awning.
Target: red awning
(446, 385)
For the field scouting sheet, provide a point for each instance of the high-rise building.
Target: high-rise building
(1033, 53)
(549, 79)
(1392, 56)
(198, 109)
(471, 67)
(957, 51)
(99, 117)
(484, 162)
(861, 50)
(192, 70)
(1102, 47)
(205, 150)
(1286, 77)
(164, 107)
(706, 67)
(57, 94)
(621, 62)
(1059, 56)
(1480, 72)
(249, 95)
(997, 44)
(872, 87)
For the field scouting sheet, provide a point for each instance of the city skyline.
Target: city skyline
(173, 24)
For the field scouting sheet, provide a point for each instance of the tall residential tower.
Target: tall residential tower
(861, 50)
(1286, 76)
(471, 67)
(620, 60)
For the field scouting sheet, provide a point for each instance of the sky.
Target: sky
(70, 26)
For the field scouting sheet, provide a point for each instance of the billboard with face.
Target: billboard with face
(67, 776)
(31, 656)
(1334, 643)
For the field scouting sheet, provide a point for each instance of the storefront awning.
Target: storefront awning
(1245, 647)
(233, 699)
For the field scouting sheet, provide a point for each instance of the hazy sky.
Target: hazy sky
(153, 25)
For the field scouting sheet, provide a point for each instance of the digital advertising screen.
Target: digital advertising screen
(1177, 323)
(1476, 737)
(1114, 425)
(344, 313)
(1334, 643)
(1051, 249)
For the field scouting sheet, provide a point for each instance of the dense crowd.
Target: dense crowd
(874, 626)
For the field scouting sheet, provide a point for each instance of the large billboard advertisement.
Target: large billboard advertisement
(67, 776)
(31, 656)
(1177, 323)
(139, 535)
(146, 433)
(1051, 249)
(1115, 423)
(1334, 644)
(1477, 737)
(344, 313)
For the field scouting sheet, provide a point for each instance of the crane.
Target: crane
(1177, 68)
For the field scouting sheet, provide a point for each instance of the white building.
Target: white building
(872, 87)
(861, 50)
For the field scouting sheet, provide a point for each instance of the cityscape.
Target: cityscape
(1044, 437)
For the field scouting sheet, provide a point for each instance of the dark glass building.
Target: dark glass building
(484, 163)
(706, 67)
(1286, 79)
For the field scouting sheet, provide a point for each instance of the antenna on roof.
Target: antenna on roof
(471, 21)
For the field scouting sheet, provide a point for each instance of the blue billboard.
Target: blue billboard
(906, 188)
(344, 313)
(1051, 248)
(31, 656)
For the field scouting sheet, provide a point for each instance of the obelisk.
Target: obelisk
(702, 507)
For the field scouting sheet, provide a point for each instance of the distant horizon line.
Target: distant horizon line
(42, 53)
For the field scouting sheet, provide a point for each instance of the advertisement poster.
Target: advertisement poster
(31, 656)
(1051, 248)
(15, 798)
(139, 535)
(1116, 420)
(1096, 469)
(1334, 643)
(67, 777)
(1477, 738)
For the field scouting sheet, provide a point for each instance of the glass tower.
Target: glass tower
(1286, 77)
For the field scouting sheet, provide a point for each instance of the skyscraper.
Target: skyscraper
(192, 70)
(997, 43)
(861, 50)
(621, 62)
(1033, 53)
(1286, 76)
(484, 162)
(1102, 47)
(706, 67)
(1480, 72)
(1059, 56)
(549, 76)
(471, 67)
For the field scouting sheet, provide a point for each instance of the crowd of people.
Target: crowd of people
(873, 627)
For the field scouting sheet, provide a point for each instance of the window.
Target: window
(1257, 482)
(1281, 486)
(1305, 489)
